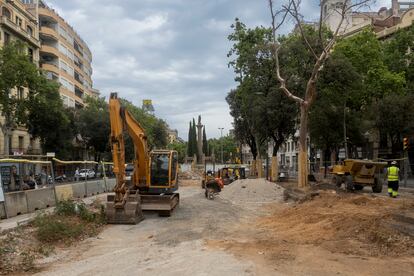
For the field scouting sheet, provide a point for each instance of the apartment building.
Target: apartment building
(16, 23)
(64, 55)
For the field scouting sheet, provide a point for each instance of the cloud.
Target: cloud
(173, 52)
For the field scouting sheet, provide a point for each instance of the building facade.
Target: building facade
(16, 23)
(64, 55)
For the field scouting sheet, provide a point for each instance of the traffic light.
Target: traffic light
(405, 143)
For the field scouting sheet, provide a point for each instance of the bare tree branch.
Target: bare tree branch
(275, 48)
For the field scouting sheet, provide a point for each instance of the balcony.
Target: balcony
(17, 30)
(79, 92)
(49, 32)
(50, 50)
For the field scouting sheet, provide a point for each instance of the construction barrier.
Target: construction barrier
(16, 203)
(64, 192)
(92, 188)
(40, 199)
(2, 210)
(78, 190)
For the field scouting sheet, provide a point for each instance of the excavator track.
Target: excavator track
(163, 204)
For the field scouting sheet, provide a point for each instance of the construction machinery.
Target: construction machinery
(154, 180)
(356, 174)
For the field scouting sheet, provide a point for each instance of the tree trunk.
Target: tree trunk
(303, 152)
(6, 136)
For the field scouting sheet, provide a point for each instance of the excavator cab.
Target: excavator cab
(163, 171)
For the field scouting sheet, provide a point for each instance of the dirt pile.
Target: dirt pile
(346, 223)
(189, 178)
(257, 191)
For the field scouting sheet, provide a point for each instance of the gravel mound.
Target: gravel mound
(256, 191)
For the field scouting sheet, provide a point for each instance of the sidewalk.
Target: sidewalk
(14, 222)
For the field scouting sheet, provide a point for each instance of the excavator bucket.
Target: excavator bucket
(130, 213)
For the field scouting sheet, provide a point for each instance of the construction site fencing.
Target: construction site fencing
(29, 185)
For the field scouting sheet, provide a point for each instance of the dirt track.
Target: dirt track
(220, 237)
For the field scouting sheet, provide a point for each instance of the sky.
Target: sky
(171, 51)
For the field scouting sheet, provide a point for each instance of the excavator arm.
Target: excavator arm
(125, 205)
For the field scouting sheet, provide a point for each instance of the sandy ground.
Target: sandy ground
(225, 236)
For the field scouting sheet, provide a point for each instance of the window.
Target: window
(19, 21)
(6, 38)
(65, 67)
(174, 166)
(30, 54)
(63, 49)
(6, 12)
(20, 93)
(30, 30)
(67, 84)
(21, 143)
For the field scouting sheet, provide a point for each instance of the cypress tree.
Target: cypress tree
(189, 144)
(205, 144)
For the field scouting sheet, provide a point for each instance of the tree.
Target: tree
(94, 127)
(180, 148)
(320, 55)
(229, 147)
(190, 141)
(50, 121)
(259, 111)
(205, 143)
(18, 73)
(194, 139)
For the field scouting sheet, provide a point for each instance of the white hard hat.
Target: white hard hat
(394, 163)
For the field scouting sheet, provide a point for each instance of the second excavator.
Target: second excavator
(154, 182)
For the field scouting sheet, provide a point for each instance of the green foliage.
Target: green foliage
(190, 140)
(365, 53)
(94, 126)
(155, 129)
(180, 148)
(259, 110)
(52, 229)
(229, 145)
(66, 208)
(41, 109)
(205, 143)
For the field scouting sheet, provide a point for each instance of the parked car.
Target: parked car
(86, 173)
(129, 171)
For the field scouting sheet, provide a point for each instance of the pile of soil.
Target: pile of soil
(189, 178)
(257, 191)
(345, 223)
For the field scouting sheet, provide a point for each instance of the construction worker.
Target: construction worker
(392, 174)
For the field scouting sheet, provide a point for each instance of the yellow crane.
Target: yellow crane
(154, 179)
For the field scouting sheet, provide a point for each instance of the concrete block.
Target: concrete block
(78, 190)
(110, 183)
(92, 188)
(101, 186)
(40, 199)
(2, 211)
(16, 203)
(64, 192)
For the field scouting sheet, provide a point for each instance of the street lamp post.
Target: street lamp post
(221, 142)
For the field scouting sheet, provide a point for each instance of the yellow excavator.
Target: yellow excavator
(154, 180)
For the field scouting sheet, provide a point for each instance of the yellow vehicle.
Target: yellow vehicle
(153, 182)
(356, 174)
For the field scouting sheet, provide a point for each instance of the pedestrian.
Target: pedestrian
(392, 175)
(77, 174)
